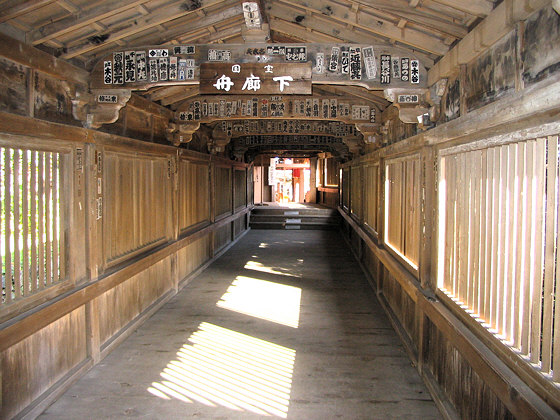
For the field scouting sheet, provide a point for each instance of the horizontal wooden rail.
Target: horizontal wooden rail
(26, 324)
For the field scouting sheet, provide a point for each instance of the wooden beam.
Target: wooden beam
(497, 25)
(294, 30)
(33, 58)
(357, 92)
(18, 9)
(162, 16)
(366, 22)
(74, 22)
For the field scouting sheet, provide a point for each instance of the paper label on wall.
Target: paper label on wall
(173, 68)
(158, 53)
(395, 67)
(184, 49)
(108, 72)
(107, 99)
(118, 68)
(405, 70)
(408, 99)
(345, 62)
(319, 63)
(276, 50)
(325, 105)
(414, 71)
(163, 64)
(219, 55)
(129, 66)
(333, 63)
(356, 63)
(296, 53)
(153, 70)
(141, 66)
(369, 61)
(385, 77)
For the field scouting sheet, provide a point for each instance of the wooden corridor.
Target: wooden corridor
(284, 324)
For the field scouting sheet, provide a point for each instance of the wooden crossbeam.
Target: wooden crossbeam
(480, 8)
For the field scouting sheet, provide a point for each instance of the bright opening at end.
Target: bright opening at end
(221, 367)
(264, 300)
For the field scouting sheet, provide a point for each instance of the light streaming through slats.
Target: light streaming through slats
(32, 245)
(221, 367)
(498, 243)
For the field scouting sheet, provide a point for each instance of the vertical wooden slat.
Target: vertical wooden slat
(7, 226)
(62, 197)
(519, 225)
(41, 221)
(25, 218)
(33, 204)
(55, 221)
(496, 203)
(551, 174)
(528, 251)
(462, 225)
(17, 231)
(475, 238)
(556, 331)
(451, 239)
(48, 218)
(509, 241)
(537, 243)
(490, 199)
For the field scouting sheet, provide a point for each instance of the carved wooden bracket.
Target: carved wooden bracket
(219, 139)
(370, 132)
(556, 5)
(101, 106)
(181, 133)
(411, 103)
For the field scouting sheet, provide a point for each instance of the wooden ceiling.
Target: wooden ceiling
(82, 31)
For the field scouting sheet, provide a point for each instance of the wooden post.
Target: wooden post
(313, 181)
(427, 214)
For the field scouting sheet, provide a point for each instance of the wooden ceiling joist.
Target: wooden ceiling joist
(17, 8)
(480, 8)
(287, 9)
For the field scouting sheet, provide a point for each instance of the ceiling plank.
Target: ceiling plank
(480, 8)
(71, 23)
(361, 20)
(294, 30)
(18, 9)
(147, 22)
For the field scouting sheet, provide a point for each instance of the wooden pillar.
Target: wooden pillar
(313, 181)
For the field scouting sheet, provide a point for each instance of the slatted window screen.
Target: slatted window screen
(498, 243)
(32, 218)
(223, 191)
(346, 188)
(402, 207)
(240, 179)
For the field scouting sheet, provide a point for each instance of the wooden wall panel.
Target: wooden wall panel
(122, 304)
(52, 100)
(194, 193)
(13, 85)
(222, 237)
(193, 256)
(223, 190)
(240, 188)
(137, 203)
(33, 365)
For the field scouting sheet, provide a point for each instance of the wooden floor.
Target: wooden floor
(283, 325)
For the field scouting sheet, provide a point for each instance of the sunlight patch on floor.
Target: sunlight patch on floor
(263, 299)
(257, 266)
(221, 367)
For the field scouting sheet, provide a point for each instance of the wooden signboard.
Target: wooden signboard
(255, 78)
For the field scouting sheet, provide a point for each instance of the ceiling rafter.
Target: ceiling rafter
(366, 22)
(17, 8)
(480, 8)
(74, 22)
(162, 16)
